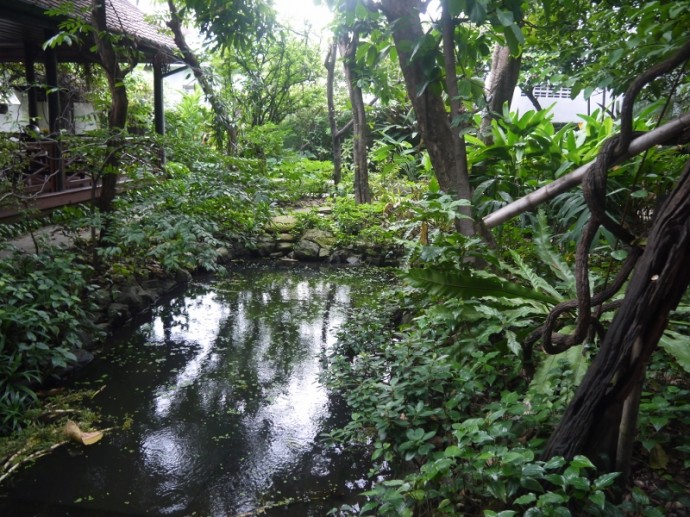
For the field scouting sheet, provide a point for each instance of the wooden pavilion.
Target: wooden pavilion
(25, 26)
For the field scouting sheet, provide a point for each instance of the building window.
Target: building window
(546, 92)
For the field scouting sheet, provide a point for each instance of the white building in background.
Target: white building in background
(564, 108)
(14, 107)
(177, 85)
(14, 114)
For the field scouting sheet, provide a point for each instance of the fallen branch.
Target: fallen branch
(31, 457)
(668, 133)
(9, 466)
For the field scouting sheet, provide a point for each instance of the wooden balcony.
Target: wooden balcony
(45, 174)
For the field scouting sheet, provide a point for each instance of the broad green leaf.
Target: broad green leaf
(452, 451)
(573, 359)
(526, 499)
(598, 498)
(550, 498)
(456, 7)
(658, 459)
(514, 38)
(532, 484)
(581, 462)
(477, 10)
(513, 344)
(554, 463)
(678, 346)
(606, 480)
(505, 17)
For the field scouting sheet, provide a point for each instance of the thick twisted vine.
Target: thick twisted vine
(594, 190)
(626, 133)
(615, 149)
(612, 151)
(553, 342)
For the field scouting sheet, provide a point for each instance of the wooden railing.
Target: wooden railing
(47, 174)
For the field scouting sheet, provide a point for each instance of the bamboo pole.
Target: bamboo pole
(655, 137)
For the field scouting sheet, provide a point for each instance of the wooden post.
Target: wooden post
(158, 102)
(158, 107)
(30, 74)
(53, 97)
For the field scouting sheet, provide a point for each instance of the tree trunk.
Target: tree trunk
(505, 71)
(336, 140)
(464, 225)
(430, 109)
(223, 122)
(348, 49)
(591, 424)
(117, 117)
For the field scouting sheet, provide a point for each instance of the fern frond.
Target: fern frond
(548, 255)
(537, 282)
(478, 285)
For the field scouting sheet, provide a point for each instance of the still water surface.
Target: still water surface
(224, 408)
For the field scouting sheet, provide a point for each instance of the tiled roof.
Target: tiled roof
(121, 16)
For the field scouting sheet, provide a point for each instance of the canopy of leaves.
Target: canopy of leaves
(231, 23)
(273, 79)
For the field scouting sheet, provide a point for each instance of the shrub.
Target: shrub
(43, 315)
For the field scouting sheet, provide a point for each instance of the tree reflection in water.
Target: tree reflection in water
(223, 390)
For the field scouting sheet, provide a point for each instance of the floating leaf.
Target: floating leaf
(74, 433)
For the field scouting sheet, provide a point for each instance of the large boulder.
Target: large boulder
(322, 238)
(286, 237)
(307, 250)
(136, 298)
(118, 314)
(282, 224)
(265, 246)
(314, 245)
(284, 247)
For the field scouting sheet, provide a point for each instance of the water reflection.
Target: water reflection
(223, 392)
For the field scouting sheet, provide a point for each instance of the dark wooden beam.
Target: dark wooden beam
(53, 200)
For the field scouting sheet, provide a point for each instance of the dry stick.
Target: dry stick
(98, 391)
(664, 134)
(9, 461)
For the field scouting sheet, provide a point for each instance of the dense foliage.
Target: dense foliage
(449, 389)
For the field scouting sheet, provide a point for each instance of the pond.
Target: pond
(223, 407)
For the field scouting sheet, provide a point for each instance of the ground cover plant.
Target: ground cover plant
(456, 412)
